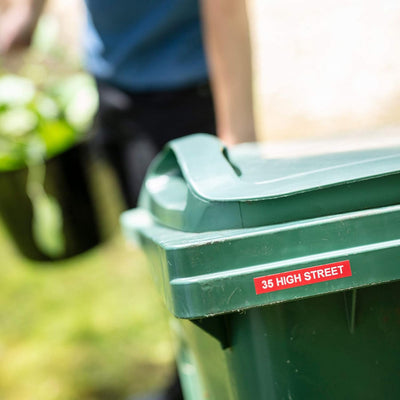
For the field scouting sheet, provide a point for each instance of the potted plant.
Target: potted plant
(45, 200)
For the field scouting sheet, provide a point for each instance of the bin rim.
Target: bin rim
(197, 184)
(211, 273)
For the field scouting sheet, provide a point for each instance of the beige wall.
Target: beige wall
(325, 66)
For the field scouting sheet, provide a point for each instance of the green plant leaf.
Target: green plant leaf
(17, 122)
(57, 115)
(46, 107)
(16, 91)
(57, 136)
(12, 155)
(82, 107)
(65, 91)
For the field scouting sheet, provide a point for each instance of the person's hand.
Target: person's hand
(17, 24)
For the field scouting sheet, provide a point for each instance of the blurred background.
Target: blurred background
(325, 68)
(93, 327)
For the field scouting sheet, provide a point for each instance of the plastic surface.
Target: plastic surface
(304, 349)
(208, 273)
(232, 238)
(197, 185)
(204, 274)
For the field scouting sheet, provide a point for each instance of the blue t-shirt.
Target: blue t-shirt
(145, 44)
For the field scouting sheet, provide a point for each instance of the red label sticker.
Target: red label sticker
(302, 277)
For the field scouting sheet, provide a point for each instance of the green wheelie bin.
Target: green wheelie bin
(280, 265)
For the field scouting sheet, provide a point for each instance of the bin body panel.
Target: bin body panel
(307, 350)
(304, 350)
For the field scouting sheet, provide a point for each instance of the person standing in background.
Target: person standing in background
(164, 69)
(156, 48)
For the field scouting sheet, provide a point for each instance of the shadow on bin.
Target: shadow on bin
(281, 266)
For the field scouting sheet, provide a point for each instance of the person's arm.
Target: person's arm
(18, 22)
(228, 51)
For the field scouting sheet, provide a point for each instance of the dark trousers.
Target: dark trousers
(132, 128)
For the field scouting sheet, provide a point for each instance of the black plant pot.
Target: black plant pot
(67, 181)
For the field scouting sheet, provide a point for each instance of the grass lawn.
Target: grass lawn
(92, 327)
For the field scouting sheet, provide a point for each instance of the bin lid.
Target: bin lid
(227, 230)
(198, 185)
